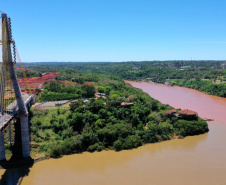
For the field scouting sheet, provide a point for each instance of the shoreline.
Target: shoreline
(196, 100)
(29, 162)
(131, 81)
(15, 164)
(205, 119)
(26, 162)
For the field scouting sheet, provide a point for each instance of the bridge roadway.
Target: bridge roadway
(12, 110)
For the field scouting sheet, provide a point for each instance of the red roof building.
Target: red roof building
(185, 114)
(189, 114)
(171, 111)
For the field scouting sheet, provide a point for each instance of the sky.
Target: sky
(118, 30)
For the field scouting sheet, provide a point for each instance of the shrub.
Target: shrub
(117, 145)
(95, 147)
(56, 150)
(132, 141)
(44, 148)
(67, 146)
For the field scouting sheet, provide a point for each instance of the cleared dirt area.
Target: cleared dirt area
(38, 82)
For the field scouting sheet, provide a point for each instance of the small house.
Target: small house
(188, 114)
(171, 113)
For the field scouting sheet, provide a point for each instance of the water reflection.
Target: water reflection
(108, 166)
(15, 171)
(14, 176)
(17, 167)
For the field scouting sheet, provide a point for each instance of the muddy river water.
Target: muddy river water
(196, 160)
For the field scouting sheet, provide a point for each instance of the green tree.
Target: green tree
(88, 90)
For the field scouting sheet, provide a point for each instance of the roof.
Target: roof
(187, 112)
(171, 111)
(89, 83)
(126, 104)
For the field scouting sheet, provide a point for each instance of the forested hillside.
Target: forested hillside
(124, 118)
(206, 76)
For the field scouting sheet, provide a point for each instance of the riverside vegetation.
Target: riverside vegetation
(205, 76)
(102, 124)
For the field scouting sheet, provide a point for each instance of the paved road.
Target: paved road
(52, 103)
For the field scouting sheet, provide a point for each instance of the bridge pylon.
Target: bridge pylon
(8, 63)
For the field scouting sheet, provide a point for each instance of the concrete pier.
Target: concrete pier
(25, 135)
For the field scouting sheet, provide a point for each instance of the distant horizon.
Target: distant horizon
(123, 61)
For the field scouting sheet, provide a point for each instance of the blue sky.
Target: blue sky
(118, 30)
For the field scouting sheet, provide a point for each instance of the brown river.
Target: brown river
(196, 160)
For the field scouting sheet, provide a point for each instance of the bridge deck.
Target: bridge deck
(12, 110)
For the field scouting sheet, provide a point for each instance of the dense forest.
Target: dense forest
(206, 76)
(28, 73)
(123, 118)
(54, 91)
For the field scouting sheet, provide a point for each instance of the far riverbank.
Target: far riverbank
(207, 106)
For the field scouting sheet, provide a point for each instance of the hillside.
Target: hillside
(122, 117)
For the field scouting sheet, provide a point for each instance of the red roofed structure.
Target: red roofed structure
(171, 113)
(89, 83)
(189, 114)
(185, 114)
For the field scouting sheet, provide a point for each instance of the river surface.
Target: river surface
(207, 106)
(196, 160)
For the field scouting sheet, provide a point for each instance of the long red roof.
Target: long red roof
(187, 112)
(171, 111)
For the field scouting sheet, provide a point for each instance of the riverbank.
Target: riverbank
(106, 124)
(216, 89)
(197, 160)
(193, 160)
(175, 88)
(208, 106)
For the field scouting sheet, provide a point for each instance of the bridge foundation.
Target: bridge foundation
(2, 146)
(25, 135)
